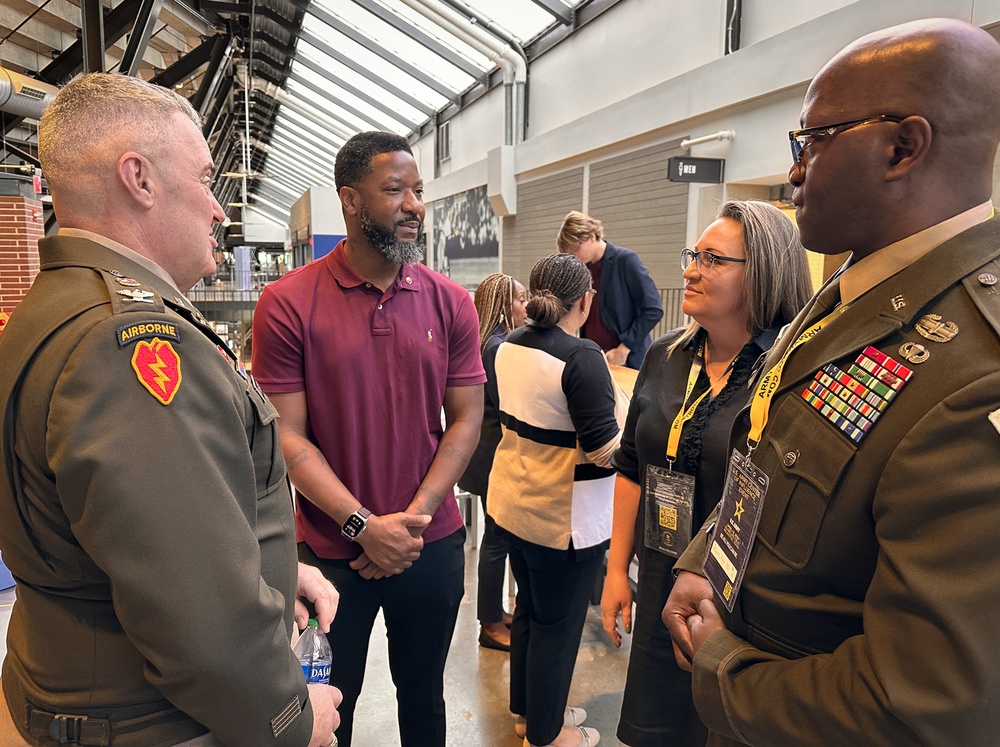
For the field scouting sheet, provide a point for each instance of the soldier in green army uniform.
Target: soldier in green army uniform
(144, 506)
(868, 514)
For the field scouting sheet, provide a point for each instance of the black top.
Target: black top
(704, 446)
(477, 473)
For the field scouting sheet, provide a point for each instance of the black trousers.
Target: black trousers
(553, 593)
(420, 606)
(492, 564)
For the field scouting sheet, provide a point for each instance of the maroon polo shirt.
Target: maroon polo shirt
(374, 367)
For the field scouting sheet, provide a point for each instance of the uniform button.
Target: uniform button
(380, 306)
(368, 285)
(988, 279)
(790, 458)
(409, 280)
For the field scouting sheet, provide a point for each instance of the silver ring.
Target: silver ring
(334, 743)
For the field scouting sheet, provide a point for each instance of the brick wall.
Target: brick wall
(21, 226)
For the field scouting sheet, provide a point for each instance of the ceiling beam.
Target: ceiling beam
(401, 24)
(384, 108)
(557, 10)
(142, 29)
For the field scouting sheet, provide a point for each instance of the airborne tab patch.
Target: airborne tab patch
(136, 331)
(158, 367)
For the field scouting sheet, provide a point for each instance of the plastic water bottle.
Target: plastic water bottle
(314, 654)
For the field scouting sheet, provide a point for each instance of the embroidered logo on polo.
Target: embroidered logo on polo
(854, 399)
(158, 367)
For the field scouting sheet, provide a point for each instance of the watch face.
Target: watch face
(352, 527)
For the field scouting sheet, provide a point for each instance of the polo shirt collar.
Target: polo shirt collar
(342, 271)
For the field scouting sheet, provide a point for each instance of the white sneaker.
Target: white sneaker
(588, 737)
(572, 716)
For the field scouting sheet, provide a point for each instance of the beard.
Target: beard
(385, 241)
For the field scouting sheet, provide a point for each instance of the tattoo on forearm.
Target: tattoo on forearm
(301, 456)
(452, 452)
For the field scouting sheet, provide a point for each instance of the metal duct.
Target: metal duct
(24, 96)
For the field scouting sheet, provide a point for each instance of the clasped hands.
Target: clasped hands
(391, 544)
(691, 616)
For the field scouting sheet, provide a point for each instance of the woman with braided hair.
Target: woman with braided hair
(551, 493)
(500, 302)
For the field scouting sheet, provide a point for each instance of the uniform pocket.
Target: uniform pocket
(805, 457)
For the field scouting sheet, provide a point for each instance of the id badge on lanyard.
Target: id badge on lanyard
(735, 527)
(669, 495)
(669, 509)
(746, 484)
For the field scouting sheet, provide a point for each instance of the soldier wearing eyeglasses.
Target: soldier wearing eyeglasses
(868, 611)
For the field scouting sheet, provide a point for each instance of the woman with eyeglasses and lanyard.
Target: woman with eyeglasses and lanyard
(745, 279)
(551, 492)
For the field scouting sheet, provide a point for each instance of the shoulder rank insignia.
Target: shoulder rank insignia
(141, 296)
(158, 367)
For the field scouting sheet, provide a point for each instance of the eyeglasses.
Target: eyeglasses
(799, 139)
(705, 261)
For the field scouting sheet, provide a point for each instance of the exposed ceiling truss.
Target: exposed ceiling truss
(281, 84)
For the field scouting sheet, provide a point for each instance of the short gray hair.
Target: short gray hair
(95, 110)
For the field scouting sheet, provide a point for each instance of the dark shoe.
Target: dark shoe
(488, 641)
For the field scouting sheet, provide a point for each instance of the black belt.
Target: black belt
(69, 729)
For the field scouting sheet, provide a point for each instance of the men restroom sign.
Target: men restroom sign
(685, 169)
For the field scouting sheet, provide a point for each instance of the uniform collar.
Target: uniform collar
(860, 277)
(124, 251)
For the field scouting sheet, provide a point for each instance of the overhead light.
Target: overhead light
(234, 223)
(236, 204)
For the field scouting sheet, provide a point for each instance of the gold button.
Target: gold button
(409, 280)
(790, 458)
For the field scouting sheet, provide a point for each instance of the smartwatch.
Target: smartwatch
(355, 524)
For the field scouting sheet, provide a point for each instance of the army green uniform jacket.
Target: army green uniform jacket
(146, 516)
(870, 611)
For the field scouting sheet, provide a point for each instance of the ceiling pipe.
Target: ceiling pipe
(720, 135)
(514, 67)
(24, 96)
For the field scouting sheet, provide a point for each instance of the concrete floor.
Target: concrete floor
(475, 681)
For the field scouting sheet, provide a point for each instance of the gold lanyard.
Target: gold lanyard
(687, 412)
(768, 385)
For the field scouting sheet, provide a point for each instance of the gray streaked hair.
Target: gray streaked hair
(776, 284)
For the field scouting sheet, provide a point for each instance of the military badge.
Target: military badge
(932, 328)
(139, 296)
(158, 368)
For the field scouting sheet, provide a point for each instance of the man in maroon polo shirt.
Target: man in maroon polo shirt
(359, 351)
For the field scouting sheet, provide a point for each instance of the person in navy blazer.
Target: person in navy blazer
(627, 305)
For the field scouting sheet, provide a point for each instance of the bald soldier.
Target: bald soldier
(144, 506)
(869, 613)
